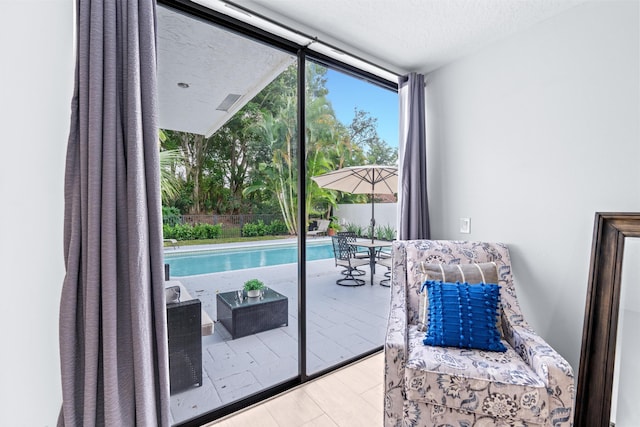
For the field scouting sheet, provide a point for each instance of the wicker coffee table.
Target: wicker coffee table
(252, 315)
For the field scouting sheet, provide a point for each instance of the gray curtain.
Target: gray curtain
(413, 211)
(113, 339)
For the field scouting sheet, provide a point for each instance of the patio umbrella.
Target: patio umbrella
(368, 179)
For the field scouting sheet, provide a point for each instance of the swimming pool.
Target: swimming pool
(193, 263)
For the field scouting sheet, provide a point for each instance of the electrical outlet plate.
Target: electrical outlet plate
(465, 225)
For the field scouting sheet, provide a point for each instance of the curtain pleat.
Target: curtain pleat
(113, 339)
(413, 210)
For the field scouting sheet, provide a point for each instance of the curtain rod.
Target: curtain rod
(312, 39)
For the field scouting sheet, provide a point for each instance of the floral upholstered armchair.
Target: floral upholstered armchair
(529, 384)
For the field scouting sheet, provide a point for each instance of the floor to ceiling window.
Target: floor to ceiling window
(228, 129)
(349, 122)
(233, 214)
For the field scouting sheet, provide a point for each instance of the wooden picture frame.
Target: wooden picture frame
(597, 356)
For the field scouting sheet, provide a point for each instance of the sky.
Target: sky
(346, 93)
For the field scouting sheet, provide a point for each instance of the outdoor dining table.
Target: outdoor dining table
(373, 246)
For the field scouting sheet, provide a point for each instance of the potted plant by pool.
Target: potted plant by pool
(253, 287)
(333, 228)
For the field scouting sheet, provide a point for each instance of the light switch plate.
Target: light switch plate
(465, 225)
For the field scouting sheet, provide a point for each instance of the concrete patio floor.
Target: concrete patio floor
(342, 322)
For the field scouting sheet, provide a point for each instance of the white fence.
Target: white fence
(386, 214)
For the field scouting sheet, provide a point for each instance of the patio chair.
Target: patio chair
(384, 258)
(385, 261)
(351, 238)
(359, 251)
(458, 383)
(344, 255)
(323, 225)
(184, 341)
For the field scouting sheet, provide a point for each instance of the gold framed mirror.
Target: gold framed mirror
(598, 353)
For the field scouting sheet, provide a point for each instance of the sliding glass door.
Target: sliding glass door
(228, 116)
(242, 213)
(349, 122)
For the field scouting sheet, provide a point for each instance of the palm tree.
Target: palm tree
(322, 130)
(170, 183)
(279, 177)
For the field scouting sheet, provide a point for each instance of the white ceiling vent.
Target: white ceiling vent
(228, 102)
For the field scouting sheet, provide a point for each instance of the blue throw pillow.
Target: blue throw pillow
(463, 315)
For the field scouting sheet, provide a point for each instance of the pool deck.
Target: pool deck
(342, 322)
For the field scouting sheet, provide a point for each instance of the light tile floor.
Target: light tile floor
(349, 397)
(342, 322)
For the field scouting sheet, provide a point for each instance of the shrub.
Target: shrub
(171, 216)
(253, 229)
(207, 231)
(167, 231)
(183, 231)
(355, 228)
(188, 232)
(385, 232)
(278, 227)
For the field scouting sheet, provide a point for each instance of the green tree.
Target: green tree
(322, 139)
(363, 128)
(322, 136)
(279, 176)
(169, 182)
(363, 131)
(236, 148)
(380, 153)
(250, 163)
(194, 150)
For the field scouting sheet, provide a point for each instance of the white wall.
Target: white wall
(385, 213)
(37, 77)
(530, 137)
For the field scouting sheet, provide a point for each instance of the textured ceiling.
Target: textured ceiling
(399, 35)
(409, 35)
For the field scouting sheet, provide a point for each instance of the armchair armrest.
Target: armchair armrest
(550, 367)
(395, 350)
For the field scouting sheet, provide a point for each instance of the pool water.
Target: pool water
(216, 261)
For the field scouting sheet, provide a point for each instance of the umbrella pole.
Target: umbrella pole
(373, 219)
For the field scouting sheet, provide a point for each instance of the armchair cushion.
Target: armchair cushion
(172, 294)
(485, 272)
(499, 385)
(463, 315)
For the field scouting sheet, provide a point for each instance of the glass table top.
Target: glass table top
(239, 298)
